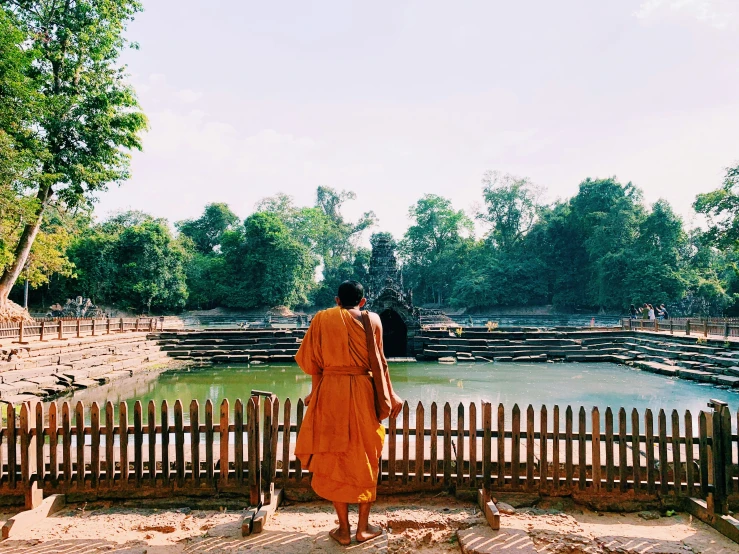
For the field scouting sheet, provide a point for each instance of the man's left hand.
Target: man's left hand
(396, 405)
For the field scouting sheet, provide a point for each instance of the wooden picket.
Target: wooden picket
(247, 448)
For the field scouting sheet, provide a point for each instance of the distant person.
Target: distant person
(664, 314)
(645, 311)
(651, 312)
(632, 311)
(341, 439)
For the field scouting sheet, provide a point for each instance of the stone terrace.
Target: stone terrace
(44, 369)
(711, 361)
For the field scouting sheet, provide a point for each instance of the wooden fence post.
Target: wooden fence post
(79, 328)
(672, 328)
(107, 326)
(722, 456)
(41, 332)
(93, 327)
(705, 328)
(121, 325)
(20, 332)
(656, 325)
(687, 326)
(726, 330)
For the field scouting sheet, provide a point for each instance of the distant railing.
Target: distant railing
(688, 326)
(87, 452)
(61, 328)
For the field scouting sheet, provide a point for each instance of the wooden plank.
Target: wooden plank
(516, 447)
(405, 462)
(109, 445)
(94, 445)
(66, 445)
(677, 473)
(286, 444)
(447, 445)
(610, 470)
(151, 429)
(472, 445)
(253, 435)
(179, 441)
(703, 452)
(555, 447)
(690, 473)
(17, 526)
(25, 440)
(636, 449)
(165, 443)
(663, 468)
(195, 441)
(569, 470)
(649, 433)
(239, 440)
(543, 450)
(622, 451)
(274, 438)
(267, 449)
(391, 449)
(530, 448)
(487, 446)
(581, 450)
(459, 464)
(53, 442)
(123, 441)
(299, 424)
(434, 444)
(595, 449)
(11, 434)
(79, 421)
(209, 471)
(500, 439)
(420, 444)
(40, 440)
(138, 443)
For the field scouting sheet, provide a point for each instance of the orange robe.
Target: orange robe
(340, 440)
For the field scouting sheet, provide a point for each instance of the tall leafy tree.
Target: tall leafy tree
(432, 247)
(88, 117)
(207, 231)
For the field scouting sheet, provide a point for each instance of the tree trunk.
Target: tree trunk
(12, 272)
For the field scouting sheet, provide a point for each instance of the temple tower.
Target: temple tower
(387, 296)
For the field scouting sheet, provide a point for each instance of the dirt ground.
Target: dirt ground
(427, 524)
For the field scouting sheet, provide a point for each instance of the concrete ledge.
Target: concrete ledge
(22, 521)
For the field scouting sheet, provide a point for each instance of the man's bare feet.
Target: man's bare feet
(344, 538)
(371, 532)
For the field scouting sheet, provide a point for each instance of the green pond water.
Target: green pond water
(575, 384)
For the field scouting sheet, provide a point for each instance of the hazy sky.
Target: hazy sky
(396, 99)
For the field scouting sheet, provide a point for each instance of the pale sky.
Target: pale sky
(397, 99)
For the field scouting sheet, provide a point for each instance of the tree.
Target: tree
(721, 208)
(265, 266)
(131, 261)
(432, 247)
(88, 116)
(207, 231)
(511, 207)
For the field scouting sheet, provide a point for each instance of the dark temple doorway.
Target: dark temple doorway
(394, 334)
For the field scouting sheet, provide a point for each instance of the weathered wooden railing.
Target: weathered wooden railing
(86, 452)
(686, 326)
(60, 328)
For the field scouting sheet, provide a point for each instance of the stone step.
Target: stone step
(697, 375)
(727, 380)
(30, 373)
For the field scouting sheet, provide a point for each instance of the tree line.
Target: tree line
(69, 120)
(602, 249)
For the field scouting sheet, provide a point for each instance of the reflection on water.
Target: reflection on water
(575, 384)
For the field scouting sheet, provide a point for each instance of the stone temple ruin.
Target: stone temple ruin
(387, 296)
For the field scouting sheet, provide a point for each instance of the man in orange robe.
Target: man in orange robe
(341, 440)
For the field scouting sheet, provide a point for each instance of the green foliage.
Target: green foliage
(207, 231)
(721, 208)
(131, 261)
(264, 265)
(75, 118)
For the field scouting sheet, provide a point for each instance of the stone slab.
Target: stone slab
(15, 526)
(484, 540)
